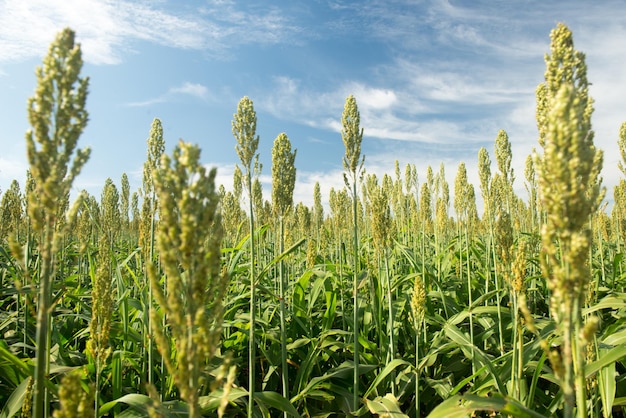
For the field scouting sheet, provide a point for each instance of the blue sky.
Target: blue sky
(434, 80)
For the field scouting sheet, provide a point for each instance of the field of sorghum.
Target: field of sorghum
(176, 300)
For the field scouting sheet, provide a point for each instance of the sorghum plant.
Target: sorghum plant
(417, 315)
(504, 157)
(378, 197)
(619, 193)
(318, 212)
(125, 203)
(569, 190)
(102, 294)
(244, 131)
(462, 196)
(531, 187)
(75, 402)
(57, 115)
(352, 135)
(11, 212)
(188, 239)
(156, 147)
(283, 183)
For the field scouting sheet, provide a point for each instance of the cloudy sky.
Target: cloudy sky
(434, 80)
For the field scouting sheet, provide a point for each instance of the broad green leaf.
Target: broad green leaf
(465, 406)
(385, 406)
(384, 373)
(458, 337)
(611, 356)
(276, 401)
(606, 384)
(15, 401)
(132, 399)
(212, 401)
(616, 338)
(610, 302)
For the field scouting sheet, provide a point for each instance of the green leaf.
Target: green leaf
(606, 383)
(610, 302)
(132, 399)
(465, 406)
(455, 334)
(615, 338)
(212, 401)
(384, 373)
(13, 370)
(611, 356)
(281, 257)
(386, 406)
(15, 401)
(276, 401)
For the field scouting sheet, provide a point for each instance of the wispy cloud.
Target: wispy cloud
(12, 168)
(192, 89)
(108, 29)
(186, 89)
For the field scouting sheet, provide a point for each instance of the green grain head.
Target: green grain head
(283, 174)
(75, 402)
(352, 136)
(189, 241)
(244, 131)
(58, 116)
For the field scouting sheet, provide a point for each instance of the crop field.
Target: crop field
(395, 296)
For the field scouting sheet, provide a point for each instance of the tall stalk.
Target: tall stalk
(102, 293)
(382, 230)
(355, 301)
(352, 135)
(283, 183)
(442, 203)
(570, 192)
(57, 115)
(462, 194)
(417, 314)
(486, 189)
(189, 238)
(244, 131)
(156, 147)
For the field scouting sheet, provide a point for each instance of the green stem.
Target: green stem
(283, 331)
(43, 322)
(392, 349)
(417, 373)
(151, 255)
(499, 308)
(470, 300)
(579, 351)
(251, 342)
(355, 398)
(516, 354)
(568, 372)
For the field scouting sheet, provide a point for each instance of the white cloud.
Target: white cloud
(196, 90)
(149, 102)
(373, 98)
(107, 29)
(12, 169)
(192, 89)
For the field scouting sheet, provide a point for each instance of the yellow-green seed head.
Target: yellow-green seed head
(283, 174)
(75, 403)
(244, 131)
(352, 135)
(418, 303)
(189, 241)
(58, 116)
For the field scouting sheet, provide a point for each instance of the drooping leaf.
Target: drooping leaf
(465, 406)
(385, 406)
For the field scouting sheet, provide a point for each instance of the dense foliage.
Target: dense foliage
(182, 299)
